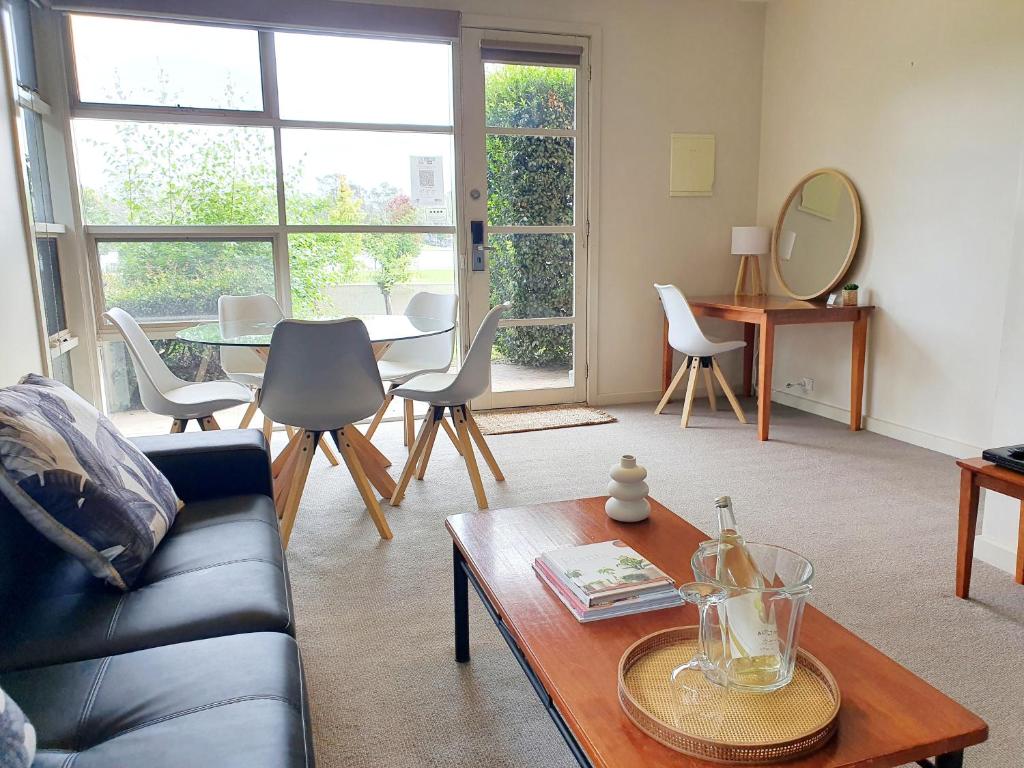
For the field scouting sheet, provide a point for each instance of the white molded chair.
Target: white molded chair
(407, 359)
(241, 364)
(699, 352)
(245, 365)
(321, 377)
(454, 391)
(164, 393)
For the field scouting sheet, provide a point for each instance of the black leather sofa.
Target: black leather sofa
(197, 665)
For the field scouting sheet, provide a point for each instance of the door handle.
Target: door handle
(478, 262)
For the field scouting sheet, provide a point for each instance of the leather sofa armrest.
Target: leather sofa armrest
(207, 465)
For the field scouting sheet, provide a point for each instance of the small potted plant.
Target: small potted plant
(850, 295)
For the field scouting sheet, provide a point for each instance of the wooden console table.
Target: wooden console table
(976, 474)
(766, 312)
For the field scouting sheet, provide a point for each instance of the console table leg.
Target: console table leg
(461, 584)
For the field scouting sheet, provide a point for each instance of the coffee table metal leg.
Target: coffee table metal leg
(948, 760)
(461, 584)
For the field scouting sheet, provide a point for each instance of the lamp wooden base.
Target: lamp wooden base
(756, 285)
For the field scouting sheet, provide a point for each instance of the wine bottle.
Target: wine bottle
(750, 635)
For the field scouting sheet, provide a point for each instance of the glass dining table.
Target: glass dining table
(383, 330)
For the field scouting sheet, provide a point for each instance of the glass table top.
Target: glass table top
(381, 328)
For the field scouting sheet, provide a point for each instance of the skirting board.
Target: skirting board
(995, 553)
(880, 426)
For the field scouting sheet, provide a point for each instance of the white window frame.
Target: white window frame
(269, 116)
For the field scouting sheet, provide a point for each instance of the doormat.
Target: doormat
(505, 421)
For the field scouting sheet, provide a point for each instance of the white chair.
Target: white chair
(164, 393)
(242, 364)
(699, 352)
(245, 365)
(454, 391)
(321, 377)
(407, 359)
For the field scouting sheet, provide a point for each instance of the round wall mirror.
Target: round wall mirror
(816, 234)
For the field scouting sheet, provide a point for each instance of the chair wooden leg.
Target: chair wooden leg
(462, 428)
(414, 454)
(375, 422)
(283, 470)
(304, 457)
(268, 429)
(691, 387)
(290, 431)
(429, 447)
(481, 444)
(355, 468)
(208, 423)
(710, 387)
(410, 424)
(729, 394)
(451, 434)
(328, 451)
(178, 425)
(374, 463)
(250, 411)
(680, 375)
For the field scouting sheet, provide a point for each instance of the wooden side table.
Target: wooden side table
(976, 474)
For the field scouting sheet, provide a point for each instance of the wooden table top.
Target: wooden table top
(985, 467)
(771, 305)
(889, 716)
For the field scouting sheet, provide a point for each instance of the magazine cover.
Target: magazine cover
(601, 571)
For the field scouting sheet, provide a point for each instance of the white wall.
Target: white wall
(20, 350)
(666, 66)
(921, 103)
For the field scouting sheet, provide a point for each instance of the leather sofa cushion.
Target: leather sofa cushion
(220, 570)
(223, 702)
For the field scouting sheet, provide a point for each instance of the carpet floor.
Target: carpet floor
(876, 516)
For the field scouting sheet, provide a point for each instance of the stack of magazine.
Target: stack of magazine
(605, 580)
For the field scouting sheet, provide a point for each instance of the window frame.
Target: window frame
(277, 233)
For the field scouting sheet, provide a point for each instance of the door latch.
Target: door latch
(478, 261)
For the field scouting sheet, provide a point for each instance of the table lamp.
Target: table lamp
(749, 243)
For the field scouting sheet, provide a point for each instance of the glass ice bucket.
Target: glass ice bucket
(749, 636)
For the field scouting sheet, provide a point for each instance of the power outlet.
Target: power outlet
(806, 384)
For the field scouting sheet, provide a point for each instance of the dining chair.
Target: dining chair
(321, 378)
(407, 359)
(454, 391)
(165, 394)
(699, 351)
(244, 364)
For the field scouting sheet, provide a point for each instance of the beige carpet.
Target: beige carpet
(505, 421)
(876, 516)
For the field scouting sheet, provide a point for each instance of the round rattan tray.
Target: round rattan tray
(725, 726)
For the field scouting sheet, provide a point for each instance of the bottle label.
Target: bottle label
(749, 633)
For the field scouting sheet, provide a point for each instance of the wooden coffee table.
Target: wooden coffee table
(889, 716)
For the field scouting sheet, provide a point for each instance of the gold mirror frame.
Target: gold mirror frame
(854, 241)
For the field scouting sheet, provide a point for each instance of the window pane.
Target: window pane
(529, 180)
(337, 274)
(519, 96)
(24, 48)
(38, 172)
(157, 173)
(191, 362)
(155, 63)
(175, 280)
(357, 177)
(50, 285)
(533, 273)
(61, 369)
(537, 357)
(370, 81)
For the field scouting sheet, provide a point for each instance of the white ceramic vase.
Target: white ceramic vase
(627, 492)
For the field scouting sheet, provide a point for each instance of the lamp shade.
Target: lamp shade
(751, 241)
